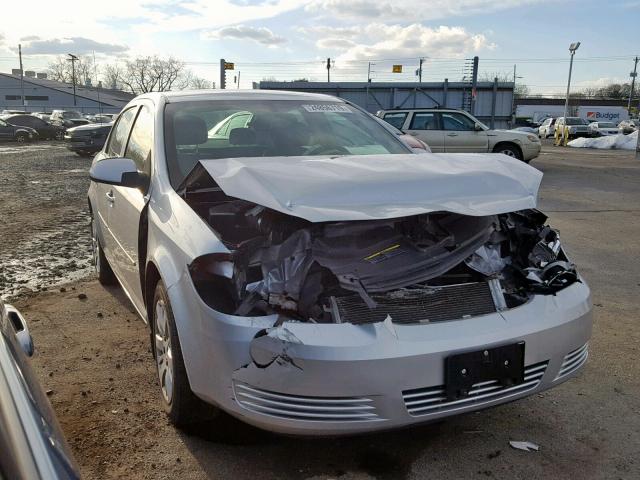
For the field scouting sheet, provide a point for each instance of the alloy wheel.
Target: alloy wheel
(164, 356)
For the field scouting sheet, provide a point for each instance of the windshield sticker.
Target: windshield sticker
(327, 108)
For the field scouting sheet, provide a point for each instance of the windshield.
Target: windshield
(575, 121)
(606, 124)
(201, 130)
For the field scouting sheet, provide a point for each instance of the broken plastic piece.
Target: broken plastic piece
(526, 446)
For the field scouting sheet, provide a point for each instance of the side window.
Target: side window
(141, 140)
(457, 122)
(424, 121)
(120, 133)
(396, 119)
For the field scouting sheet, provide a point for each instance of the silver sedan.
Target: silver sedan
(303, 270)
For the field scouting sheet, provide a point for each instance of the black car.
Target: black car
(67, 118)
(87, 139)
(45, 130)
(31, 442)
(19, 134)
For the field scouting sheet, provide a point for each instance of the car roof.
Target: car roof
(203, 95)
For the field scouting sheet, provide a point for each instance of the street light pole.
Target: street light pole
(73, 60)
(633, 75)
(572, 48)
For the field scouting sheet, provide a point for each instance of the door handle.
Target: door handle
(452, 134)
(110, 197)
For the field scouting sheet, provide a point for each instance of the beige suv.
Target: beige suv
(456, 131)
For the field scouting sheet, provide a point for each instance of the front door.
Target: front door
(127, 205)
(6, 131)
(424, 125)
(461, 136)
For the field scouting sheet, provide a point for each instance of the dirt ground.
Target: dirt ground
(94, 354)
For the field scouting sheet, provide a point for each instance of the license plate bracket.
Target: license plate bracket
(505, 364)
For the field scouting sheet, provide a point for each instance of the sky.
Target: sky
(289, 39)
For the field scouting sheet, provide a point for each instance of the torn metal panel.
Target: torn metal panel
(366, 187)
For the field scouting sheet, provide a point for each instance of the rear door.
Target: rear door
(460, 135)
(426, 127)
(127, 205)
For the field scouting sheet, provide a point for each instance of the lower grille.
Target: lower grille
(573, 361)
(430, 400)
(415, 305)
(293, 407)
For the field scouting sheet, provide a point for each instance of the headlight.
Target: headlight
(533, 138)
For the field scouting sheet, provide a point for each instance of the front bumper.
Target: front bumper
(83, 144)
(530, 150)
(332, 379)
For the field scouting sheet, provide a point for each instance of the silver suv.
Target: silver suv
(456, 131)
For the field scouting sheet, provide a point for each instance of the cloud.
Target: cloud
(408, 10)
(243, 32)
(75, 45)
(378, 40)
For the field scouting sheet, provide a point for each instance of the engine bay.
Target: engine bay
(415, 269)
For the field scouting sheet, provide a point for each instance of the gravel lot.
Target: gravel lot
(94, 352)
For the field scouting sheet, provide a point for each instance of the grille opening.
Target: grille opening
(421, 304)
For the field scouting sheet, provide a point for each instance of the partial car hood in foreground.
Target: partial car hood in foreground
(359, 187)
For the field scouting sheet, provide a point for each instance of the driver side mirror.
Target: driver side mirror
(117, 171)
(477, 127)
(22, 331)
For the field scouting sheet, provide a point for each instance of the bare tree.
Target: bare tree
(61, 70)
(519, 90)
(199, 83)
(112, 75)
(153, 74)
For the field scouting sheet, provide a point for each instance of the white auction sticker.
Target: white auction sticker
(327, 107)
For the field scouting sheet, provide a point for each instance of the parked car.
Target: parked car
(451, 131)
(628, 126)
(33, 446)
(45, 130)
(86, 140)
(599, 129)
(67, 118)
(16, 133)
(310, 275)
(578, 127)
(13, 112)
(526, 130)
(547, 128)
(42, 116)
(102, 118)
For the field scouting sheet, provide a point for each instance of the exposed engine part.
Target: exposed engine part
(423, 268)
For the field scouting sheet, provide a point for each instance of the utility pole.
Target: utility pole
(238, 85)
(572, 49)
(21, 75)
(633, 74)
(73, 60)
(474, 85)
(420, 71)
(223, 74)
(328, 70)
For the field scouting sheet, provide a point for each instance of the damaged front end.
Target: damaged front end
(422, 268)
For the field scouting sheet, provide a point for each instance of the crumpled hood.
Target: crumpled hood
(367, 187)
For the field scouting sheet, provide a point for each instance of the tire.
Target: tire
(182, 407)
(103, 269)
(21, 138)
(508, 149)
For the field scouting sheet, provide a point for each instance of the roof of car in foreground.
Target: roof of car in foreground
(199, 95)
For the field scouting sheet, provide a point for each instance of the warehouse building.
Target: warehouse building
(44, 95)
(490, 102)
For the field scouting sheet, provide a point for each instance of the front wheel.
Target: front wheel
(509, 150)
(21, 138)
(180, 404)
